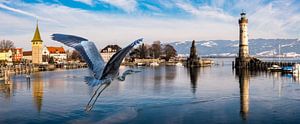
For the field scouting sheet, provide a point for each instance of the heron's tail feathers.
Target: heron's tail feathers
(91, 81)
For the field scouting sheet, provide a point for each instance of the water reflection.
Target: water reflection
(193, 72)
(296, 78)
(157, 79)
(38, 90)
(6, 89)
(170, 72)
(244, 79)
(28, 83)
(154, 104)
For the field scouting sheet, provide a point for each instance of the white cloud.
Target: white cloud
(205, 11)
(17, 10)
(278, 19)
(88, 2)
(106, 29)
(126, 5)
(24, 12)
(166, 3)
(266, 21)
(151, 7)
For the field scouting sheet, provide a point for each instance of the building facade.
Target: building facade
(27, 56)
(10, 56)
(6, 56)
(58, 54)
(37, 47)
(17, 55)
(109, 51)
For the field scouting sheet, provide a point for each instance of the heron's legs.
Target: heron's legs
(93, 95)
(89, 106)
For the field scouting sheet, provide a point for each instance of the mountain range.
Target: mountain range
(229, 48)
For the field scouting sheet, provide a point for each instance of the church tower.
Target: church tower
(37, 47)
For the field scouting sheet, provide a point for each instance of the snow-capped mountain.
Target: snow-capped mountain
(257, 47)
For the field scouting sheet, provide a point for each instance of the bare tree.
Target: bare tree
(140, 52)
(6, 44)
(155, 51)
(169, 51)
(76, 55)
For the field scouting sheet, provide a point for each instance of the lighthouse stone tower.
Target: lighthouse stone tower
(243, 59)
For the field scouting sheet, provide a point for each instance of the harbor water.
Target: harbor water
(162, 94)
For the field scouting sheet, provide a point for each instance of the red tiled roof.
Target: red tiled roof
(27, 53)
(17, 48)
(56, 50)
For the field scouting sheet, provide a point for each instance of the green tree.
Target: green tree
(51, 60)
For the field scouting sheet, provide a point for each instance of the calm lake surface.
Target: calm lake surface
(165, 94)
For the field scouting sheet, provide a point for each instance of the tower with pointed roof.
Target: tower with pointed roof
(37, 47)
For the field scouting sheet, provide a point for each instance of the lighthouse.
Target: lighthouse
(243, 48)
(243, 58)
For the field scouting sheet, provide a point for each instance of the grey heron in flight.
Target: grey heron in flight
(102, 73)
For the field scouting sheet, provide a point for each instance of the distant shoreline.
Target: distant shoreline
(252, 56)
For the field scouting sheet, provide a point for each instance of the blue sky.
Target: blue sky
(122, 21)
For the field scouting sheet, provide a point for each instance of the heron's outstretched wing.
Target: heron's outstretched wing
(87, 50)
(127, 72)
(115, 61)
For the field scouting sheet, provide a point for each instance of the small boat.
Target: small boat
(154, 64)
(275, 68)
(287, 69)
(179, 64)
(141, 64)
(170, 63)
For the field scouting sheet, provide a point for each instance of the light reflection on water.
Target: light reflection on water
(165, 94)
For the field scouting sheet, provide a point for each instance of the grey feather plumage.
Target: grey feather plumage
(69, 40)
(87, 50)
(116, 60)
(127, 72)
(101, 72)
